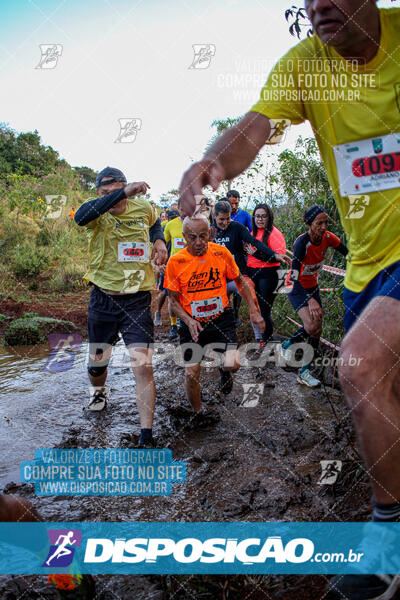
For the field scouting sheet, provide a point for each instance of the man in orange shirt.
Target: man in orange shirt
(196, 281)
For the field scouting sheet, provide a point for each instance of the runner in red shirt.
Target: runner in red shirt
(308, 258)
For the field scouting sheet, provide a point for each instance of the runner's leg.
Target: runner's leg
(231, 361)
(192, 386)
(265, 289)
(102, 330)
(141, 362)
(371, 383)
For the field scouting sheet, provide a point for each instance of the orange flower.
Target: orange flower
(64, 581)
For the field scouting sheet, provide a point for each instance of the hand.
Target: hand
(136, 188)
(282, 258)
(212, 233)
(202, 173)
(315, 310)
(248, 248)
(194, 328)
(159, 254)
(256, 319)
(157, 270)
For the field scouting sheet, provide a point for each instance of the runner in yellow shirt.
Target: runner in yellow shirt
(345, 81)
(175, 241)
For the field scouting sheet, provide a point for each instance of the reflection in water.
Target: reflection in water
(35, 403)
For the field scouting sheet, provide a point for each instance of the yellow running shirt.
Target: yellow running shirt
(120, 249)
(174, 231)
(354, 111)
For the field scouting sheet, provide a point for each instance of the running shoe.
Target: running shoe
(285, 354)
(205, 418)
(363, 587)
(157, 319)
(306, 378)
(226, 381)
(148, 444)
(98, 398)
(173, 333)
(259, 351)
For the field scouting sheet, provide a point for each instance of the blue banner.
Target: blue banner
(207, 548)
(103, 472)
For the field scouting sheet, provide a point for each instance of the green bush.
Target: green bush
(31, 329)
(27, 261)
(43, 238)
(24, 332)
(66, 281)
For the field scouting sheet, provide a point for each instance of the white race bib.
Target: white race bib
(133, 252)
(368, 165)
(313, 269)
(206, 308)
(179, 243)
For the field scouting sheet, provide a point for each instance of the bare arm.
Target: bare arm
(177, 310)
(245, 292)
(229, 156)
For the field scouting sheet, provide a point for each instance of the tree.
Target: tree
(24, 154)
(222, 125)
(303, 181)
(87, 177)
(300, 21)
(169, 197)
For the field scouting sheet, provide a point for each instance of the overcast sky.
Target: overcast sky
(127, 59)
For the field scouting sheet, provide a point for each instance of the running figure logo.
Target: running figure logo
(357, 206)
(252, 394)
(330, 471)
(50, 55)
(62, 351)
(213, 276)
(54, 205)
(61, 552)
(203, 53)
(128, 129)
(278, 130)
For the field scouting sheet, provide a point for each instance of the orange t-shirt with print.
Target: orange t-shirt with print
(199, 279)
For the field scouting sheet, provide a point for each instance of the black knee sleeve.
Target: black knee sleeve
(96, 371)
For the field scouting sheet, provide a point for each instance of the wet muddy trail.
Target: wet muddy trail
(259, 463)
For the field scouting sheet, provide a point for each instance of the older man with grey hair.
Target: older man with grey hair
(196, 280)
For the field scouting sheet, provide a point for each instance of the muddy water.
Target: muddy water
(43, 408)
(257, 463)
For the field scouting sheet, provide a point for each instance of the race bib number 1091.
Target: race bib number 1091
(368, 165)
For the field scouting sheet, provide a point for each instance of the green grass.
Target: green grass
(48, 255)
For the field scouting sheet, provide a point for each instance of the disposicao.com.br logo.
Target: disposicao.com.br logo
(248, 551)
(62, 542)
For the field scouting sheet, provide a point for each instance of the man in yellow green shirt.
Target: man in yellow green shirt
(345, 81)
(124, 236)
